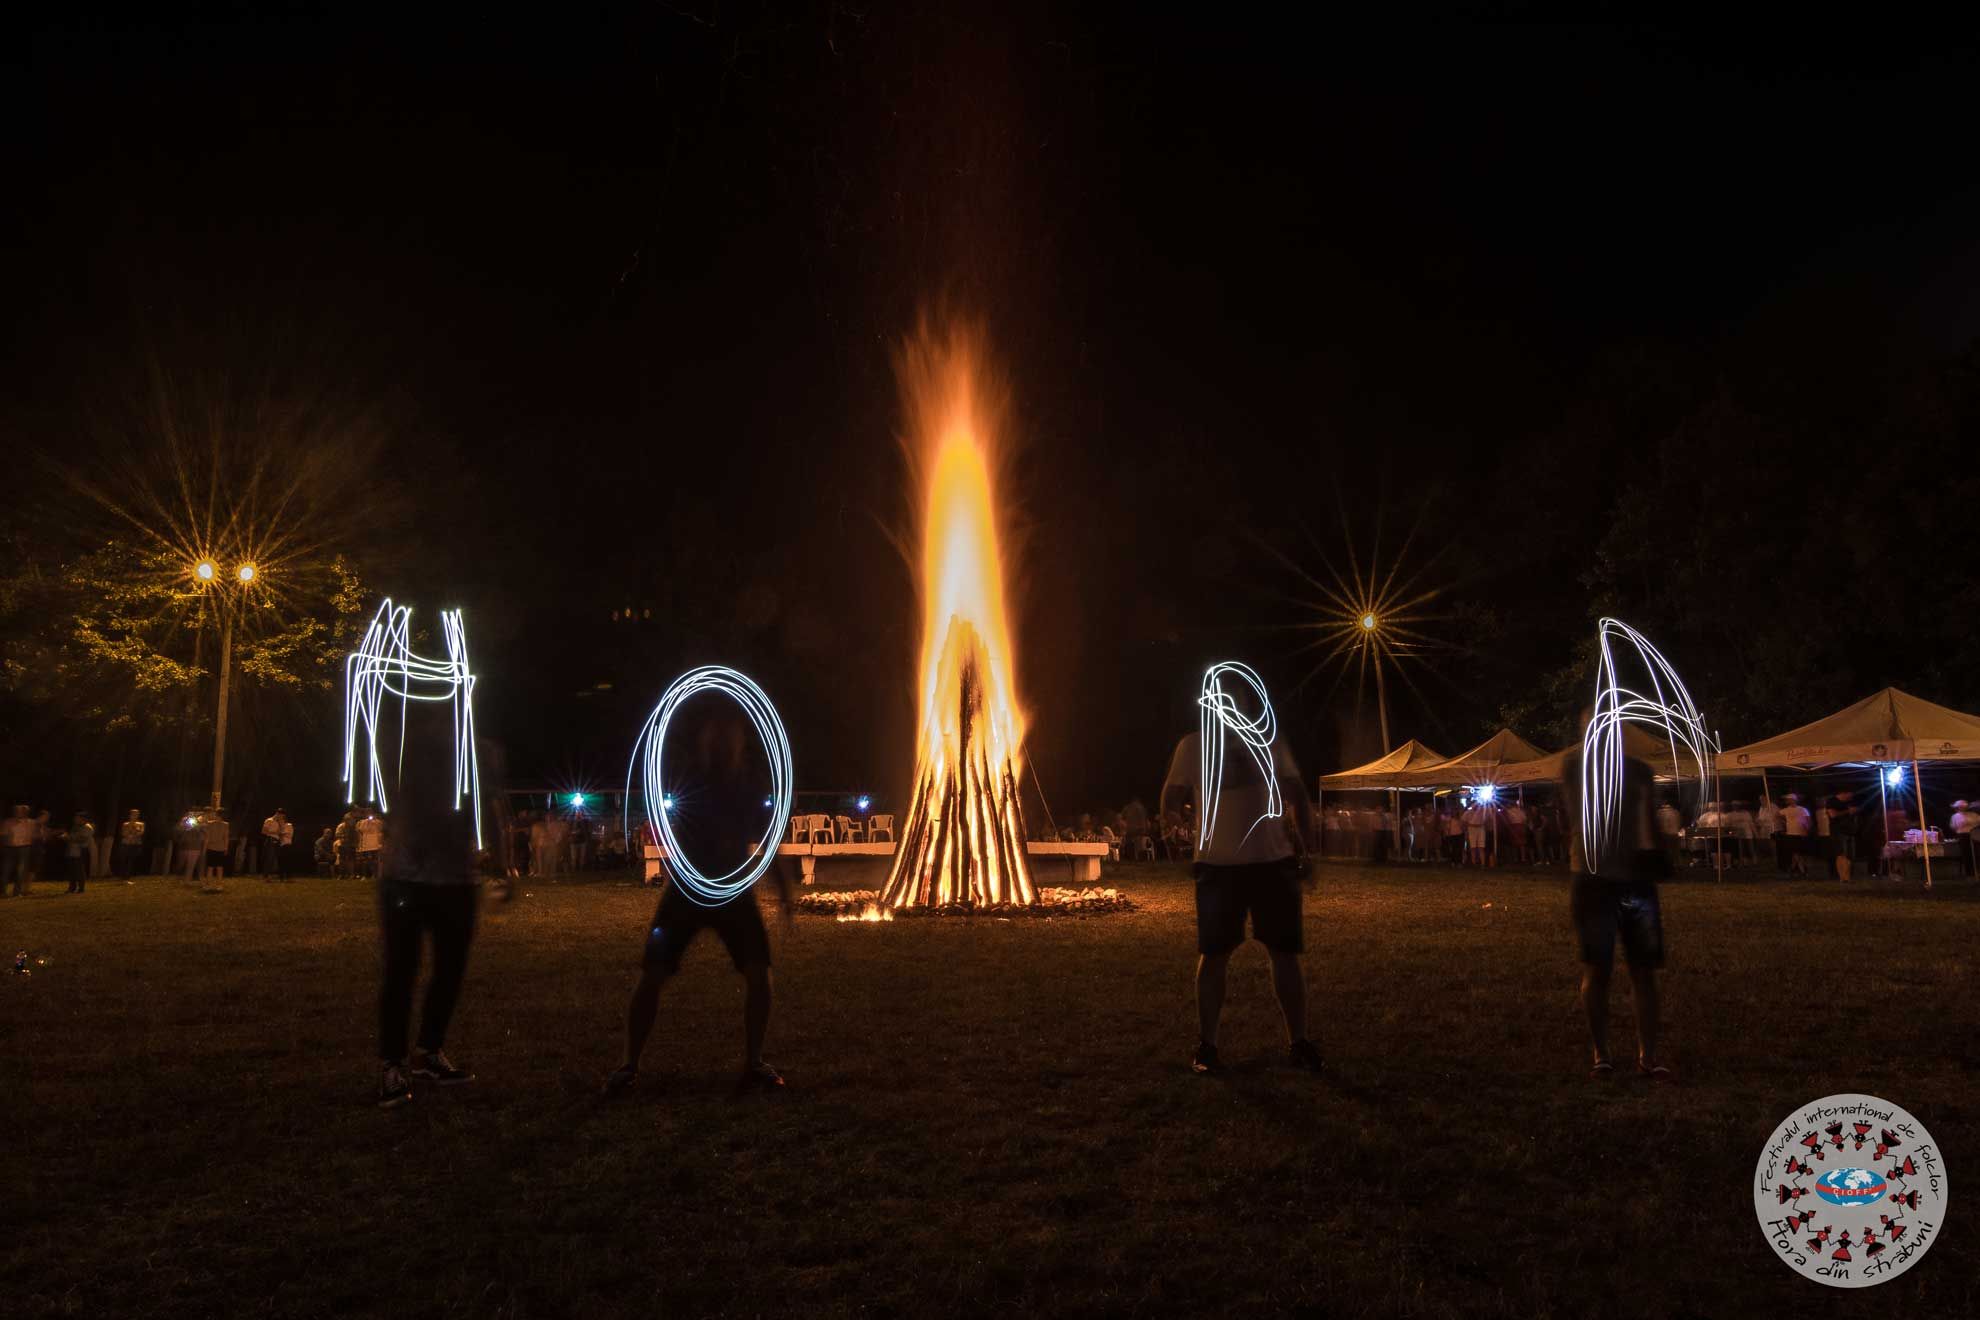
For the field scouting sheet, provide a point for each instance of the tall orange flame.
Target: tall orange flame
(964, 837)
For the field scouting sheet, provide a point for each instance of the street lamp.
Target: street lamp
(206, 572)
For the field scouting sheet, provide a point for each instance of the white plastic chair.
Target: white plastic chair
(848, 832)
(800, 829)
(878, 826)
(821, 829)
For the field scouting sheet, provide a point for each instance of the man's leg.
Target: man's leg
(1289, 984)
(756, 1012)
(1212, 972)
(400, 924)
(643, 1010)
(450, 916)
(1595, 1006)
(1643, 998)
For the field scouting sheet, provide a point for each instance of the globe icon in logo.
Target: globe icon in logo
(1853, 1187)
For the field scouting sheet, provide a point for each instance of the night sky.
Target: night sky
(626, 283)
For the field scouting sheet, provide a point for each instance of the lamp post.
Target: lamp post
(207, 573)
(1371, 624)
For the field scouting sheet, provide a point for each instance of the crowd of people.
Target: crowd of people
(205, 844)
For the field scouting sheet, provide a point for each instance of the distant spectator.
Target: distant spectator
(1477, 820)
(370, 838)
(347, 842)
(130, 845)
(1797, 826)
(18, 838)
(1516, 830)
(274, 860)
(325, 851)
(1453, 835)
(44, 834)
(1669, 826)
(1740, 821)
(215, 835)
(80, 851)
(1965, 820)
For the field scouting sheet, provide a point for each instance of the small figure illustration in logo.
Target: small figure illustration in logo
(1792, 1193)
(1900, 1172)
(1814, 1144)
(1893, 1228)
(1909, 1200)
(1886, 1143)
(1872, 1248)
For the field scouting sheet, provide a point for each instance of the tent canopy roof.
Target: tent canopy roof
(1641, 742)
(1886, 726)
(1483, 764)
(1381, 772)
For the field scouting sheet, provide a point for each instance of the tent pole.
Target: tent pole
(1924, 836)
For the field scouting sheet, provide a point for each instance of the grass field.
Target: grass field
(983, 1116)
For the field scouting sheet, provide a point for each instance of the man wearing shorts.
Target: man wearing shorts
(1254, 866)
(721, 818)
(1613, 897)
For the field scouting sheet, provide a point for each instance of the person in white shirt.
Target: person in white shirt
(1965, 820)
(1796, 825)
(1254, 865)
(370, 838)
(1477, 819)
(272, 859)
(1670, 825)
(18, 836)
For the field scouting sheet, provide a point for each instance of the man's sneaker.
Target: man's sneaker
(621, 1079)
(760, 1076)
(393, 1089)
(1205, 1060)
(435, 1068)
(1305, 1055)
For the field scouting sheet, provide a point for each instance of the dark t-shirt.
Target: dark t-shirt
(1629, 850)
(428, 839)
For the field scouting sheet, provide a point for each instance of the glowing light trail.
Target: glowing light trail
(385, 665)
(1221, 715)
(1664, 703)
(649, 751)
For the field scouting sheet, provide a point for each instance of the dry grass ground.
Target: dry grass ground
(983, 1116)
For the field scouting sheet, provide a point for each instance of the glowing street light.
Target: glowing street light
(1368, 623)
(245, 573)
(206, 570)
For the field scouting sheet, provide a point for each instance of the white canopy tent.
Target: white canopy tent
(1382, 771)
(1484, 764)
(1887, 728)
(1641, 742)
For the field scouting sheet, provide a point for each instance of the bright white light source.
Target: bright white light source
(1894, 776)
(1666, 703)
(205, 570)
(1368, 623)
(1220, 715)
(650, 748)
(864, 802)
(384, 664)
(246, 572)
(1485, 792)
(577, 800)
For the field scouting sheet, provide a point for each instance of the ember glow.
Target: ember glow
(964, 837)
